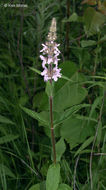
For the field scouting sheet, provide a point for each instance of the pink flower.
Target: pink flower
(56, 60)
(44, 48)
(44, 61)
(56, 74)
(50, 60)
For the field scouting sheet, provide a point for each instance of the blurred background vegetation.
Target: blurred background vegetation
(79, 106)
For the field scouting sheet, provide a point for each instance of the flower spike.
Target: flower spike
(51, 52)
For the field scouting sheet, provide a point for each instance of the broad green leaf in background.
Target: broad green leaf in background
(69, 112)
(60, 149)
(8, 138)
(75, 131)
(71, 94)
(64, 187)
(68, 69)
(93, 21)
(53, 177)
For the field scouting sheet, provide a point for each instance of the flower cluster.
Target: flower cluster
(50, 56)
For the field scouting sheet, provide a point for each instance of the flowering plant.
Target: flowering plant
(51, 71)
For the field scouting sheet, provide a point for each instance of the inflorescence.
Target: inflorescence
(51, 52)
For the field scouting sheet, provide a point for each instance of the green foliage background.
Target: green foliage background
(79, 97)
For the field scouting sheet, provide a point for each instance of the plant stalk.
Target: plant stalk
(52, 129)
